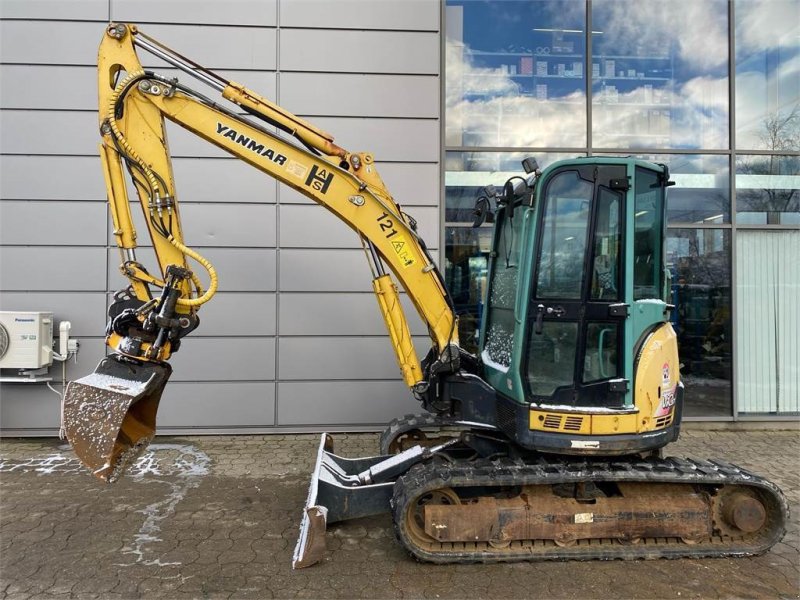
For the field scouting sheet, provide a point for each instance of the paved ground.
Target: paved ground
(216, 517)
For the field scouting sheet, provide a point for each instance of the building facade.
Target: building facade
(449, 97)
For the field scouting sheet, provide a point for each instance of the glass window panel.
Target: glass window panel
(647, 240)
(503, 292)
(515, 73)
(551, 357)
(660, 74)
(467, 249)
(466, 265)
(699, 260)
(600, 361)
(467, 172)
(767, 74)
(767, 190)
(607, 240)
(701, 193)
(567, 207)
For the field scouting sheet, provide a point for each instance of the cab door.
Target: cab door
(574, 329)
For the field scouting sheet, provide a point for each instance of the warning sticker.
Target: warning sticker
(296, 169)
(584, 518)
(401, 248)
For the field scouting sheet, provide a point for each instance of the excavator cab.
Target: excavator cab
(577, 290)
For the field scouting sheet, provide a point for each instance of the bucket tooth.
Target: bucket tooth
(110, 415)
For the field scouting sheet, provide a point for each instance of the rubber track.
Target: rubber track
(402, 425)
(547, 471)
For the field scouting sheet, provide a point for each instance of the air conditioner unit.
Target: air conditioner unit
(26, 340)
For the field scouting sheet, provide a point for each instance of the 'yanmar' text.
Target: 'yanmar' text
(250, 144)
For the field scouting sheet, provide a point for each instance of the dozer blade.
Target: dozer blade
(110, 415)
(343, 489)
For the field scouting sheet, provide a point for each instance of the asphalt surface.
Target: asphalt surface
(217, 517)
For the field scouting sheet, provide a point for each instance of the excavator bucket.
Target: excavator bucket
(110, 416)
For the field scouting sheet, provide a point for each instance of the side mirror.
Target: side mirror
(482, 212)
(530, 165)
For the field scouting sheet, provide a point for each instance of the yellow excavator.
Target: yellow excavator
(545, 444)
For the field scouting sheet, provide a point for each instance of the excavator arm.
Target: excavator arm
(110, 415)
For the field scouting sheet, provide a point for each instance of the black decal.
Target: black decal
(319, 179)
(259, 148)
(231, 133)
(221, 127)
(243, 140)
(280, 159)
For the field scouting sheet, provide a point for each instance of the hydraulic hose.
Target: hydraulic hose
(152, 179)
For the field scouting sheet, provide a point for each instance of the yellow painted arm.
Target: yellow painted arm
(133, 108)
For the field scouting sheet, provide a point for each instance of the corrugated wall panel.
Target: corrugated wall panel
(422, 15)
(359, 51)
(304, 403)
(211, 12)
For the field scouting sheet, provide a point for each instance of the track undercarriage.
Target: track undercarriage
(454, 506)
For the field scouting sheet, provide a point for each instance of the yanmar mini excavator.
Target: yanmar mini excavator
(546, 444)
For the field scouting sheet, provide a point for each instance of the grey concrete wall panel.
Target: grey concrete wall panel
(238, 314)
(33, 405)
(324, 271)
(222, 180)
(52, 223)
(43, 269)
(75, 87)
(415, 96)
(225, 359)
(75, 43)
(220, 225)
(228, 404)
(395, 140)
(32, 132)
(211, 12)
(52, 178)
(28, 406)
(73, 10)
(64, 43)
(216, 47)
(330, 358)
(359, 51)
(411, 184)
(309, 226)
(251, 225)
(238, 269)
(340, 314)
(64, 88)
(413, 15)
(343, 402)
(85, 311)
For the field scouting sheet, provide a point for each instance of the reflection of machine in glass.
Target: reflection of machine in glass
(553, 432)
(702, 317)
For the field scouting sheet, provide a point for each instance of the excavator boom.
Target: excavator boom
(144, 330)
